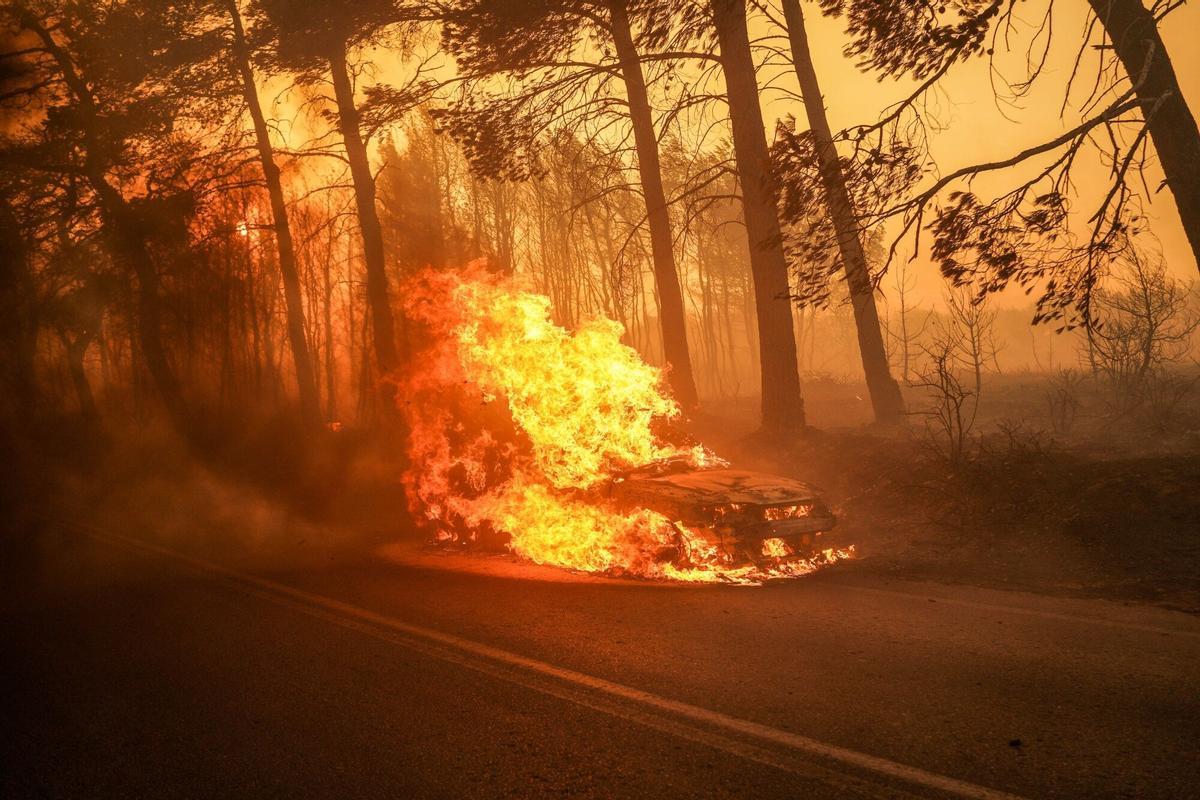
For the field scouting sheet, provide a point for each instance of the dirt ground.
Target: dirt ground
(1109, 508)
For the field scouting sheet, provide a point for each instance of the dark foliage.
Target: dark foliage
(916, 37)
(876, 178)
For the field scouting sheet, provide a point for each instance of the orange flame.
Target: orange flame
(515, 425)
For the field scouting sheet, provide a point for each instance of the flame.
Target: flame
(516, 425)
(776, 548)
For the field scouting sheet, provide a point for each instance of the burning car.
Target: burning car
(523, 435)
(749, 517)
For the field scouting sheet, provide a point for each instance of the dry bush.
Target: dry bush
(1062, 400)
(1164, 393)
(951, 415)
(1145, 319)
(1015, 441)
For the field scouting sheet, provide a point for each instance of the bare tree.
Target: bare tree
(969, 328)
(907, 331)
(952, 407)
(1146, 319)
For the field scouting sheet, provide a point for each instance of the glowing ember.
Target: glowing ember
(517, 424)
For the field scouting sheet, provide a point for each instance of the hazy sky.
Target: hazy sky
(976, 127)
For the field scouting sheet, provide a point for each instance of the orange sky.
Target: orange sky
(976, 128)
(978, 131)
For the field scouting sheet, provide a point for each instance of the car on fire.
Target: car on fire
(751, 517)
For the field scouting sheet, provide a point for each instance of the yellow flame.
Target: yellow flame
(516, 423)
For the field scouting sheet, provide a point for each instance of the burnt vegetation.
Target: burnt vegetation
(210, 211)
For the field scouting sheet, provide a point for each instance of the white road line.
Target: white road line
(1019, 610)
(765, 733)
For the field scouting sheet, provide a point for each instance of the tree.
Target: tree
(75, 315)
(885, 392)
(1133, 30)
(294, 304)
(411, 199)
(314, 41)
(666, 276)
(904, 282)
(1022, 235)
(1147, 320)
(19, 312)
(108, 120)
(782, 405)
(494, 37)
(969, 331)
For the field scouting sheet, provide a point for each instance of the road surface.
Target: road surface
(133, 671)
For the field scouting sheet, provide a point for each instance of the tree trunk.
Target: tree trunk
(18, 313)
(130, 247)
(885, 392)
(330, 362)
(124, 233)
(76, 350)
(382, 324)
(782, 405)
(1137, 42)
(301, 357)
(672, 315)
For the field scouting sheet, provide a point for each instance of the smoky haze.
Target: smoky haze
(206, 249)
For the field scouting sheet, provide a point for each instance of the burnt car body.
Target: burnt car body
(745, 514)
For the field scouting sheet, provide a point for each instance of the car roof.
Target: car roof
(729, 486)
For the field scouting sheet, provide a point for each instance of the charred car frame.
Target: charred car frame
(750, 516)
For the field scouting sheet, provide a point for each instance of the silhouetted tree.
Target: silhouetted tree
(1021, 234)
(240, 60)
(885, 392)
(111, 120)
(19, 312)
(782, 405)
(314, 41)
(539, 42)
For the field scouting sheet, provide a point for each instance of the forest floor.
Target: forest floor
(1107, 509)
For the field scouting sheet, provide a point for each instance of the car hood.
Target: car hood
(715, 486)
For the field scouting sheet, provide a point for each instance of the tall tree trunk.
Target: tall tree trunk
(382, 324)
(18, 313)
(327, 313)
(76, 350)
(125, 233)
(130, 247)
(306, 382)
(782, 405)
(671, 309)
(885, 392)
(1135, 37)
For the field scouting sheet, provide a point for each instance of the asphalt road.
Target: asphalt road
(128, 671)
